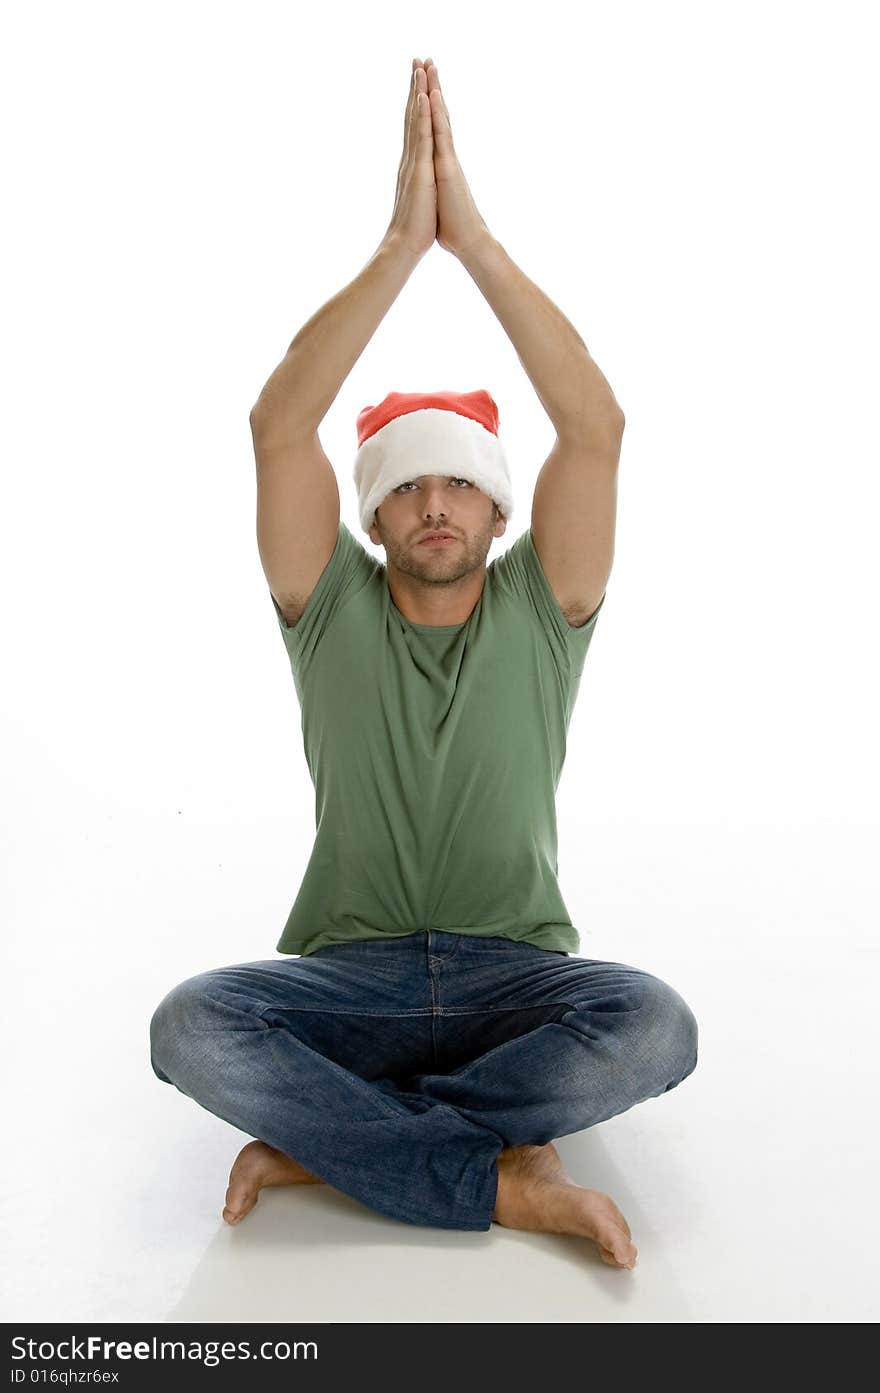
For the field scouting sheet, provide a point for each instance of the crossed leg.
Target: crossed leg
(534, 1193)
(532, 1190)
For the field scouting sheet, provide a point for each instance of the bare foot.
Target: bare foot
(256, 1165)
(536, 1193)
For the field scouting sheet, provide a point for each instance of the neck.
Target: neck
(433, 602)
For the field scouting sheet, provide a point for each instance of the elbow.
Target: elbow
(617, 424)
(609, 425)
(609, 419)
(259, 419)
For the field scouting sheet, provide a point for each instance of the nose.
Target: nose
(434, 501)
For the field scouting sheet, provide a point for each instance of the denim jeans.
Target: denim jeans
(397, 1069)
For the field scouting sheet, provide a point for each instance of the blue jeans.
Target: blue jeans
(397, 1069)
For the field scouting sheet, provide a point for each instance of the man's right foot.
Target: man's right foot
(256, 1165)
(536, 1193)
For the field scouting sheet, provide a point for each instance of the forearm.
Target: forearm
(302, 388)
(572, 389)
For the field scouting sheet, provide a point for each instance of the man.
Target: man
(424, 1044)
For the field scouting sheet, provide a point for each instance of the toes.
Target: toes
(236, 1208)
(608, 1256)
(234, 1216)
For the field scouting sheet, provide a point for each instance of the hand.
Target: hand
(414, 220)
(459, 224)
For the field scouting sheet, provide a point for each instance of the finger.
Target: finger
(410, 116)
(440, 124)
(424, 131)
(420, 83)
(438, 103)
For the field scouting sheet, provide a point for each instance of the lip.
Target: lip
(437, 541)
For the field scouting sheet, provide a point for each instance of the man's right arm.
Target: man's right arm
(297, 493)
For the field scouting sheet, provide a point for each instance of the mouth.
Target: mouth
(437, 539)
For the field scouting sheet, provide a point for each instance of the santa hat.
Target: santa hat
(414, 433)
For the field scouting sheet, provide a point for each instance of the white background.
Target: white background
(692, 185)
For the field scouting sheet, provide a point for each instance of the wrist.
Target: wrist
(480, 249)
(399, 251)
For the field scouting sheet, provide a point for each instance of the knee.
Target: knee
(671, 1030)
(170, 1023)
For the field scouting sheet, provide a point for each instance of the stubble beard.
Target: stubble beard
(443, 565)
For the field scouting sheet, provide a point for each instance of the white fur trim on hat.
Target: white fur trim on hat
(430, 441)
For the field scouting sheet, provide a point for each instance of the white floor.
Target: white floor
(750, 1190)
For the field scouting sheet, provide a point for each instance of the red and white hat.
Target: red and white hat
(414, 433)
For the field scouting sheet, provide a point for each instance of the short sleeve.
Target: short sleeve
(519, 571)
(349, 569)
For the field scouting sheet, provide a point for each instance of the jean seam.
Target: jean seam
(345, 1011)
(485, 1010)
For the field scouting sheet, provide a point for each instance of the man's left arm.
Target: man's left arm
(575, 501)
(574, 506)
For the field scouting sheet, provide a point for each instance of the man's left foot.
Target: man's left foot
(256, 1165)
(535, 1192)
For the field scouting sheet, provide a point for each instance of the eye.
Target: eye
(453, 480)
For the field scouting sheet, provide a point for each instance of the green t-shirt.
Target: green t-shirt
(435, 752)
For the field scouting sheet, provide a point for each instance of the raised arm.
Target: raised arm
(574, 504)
(297, 491)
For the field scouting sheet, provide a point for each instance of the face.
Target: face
(436, 501)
